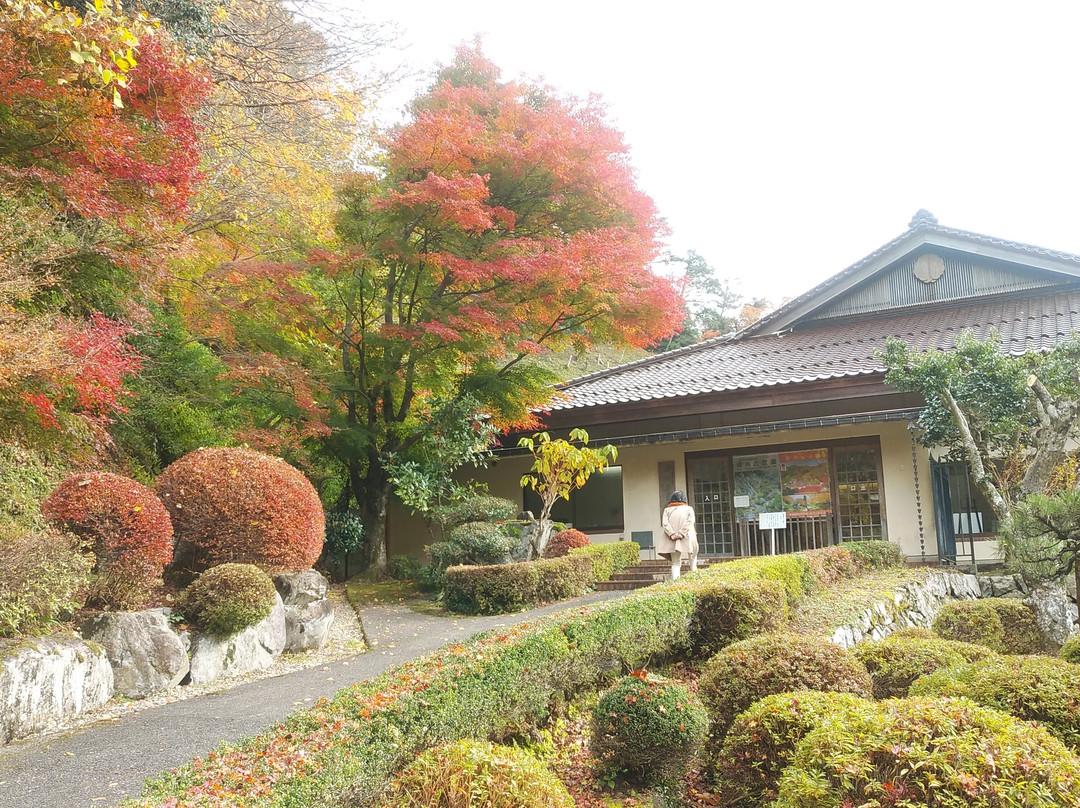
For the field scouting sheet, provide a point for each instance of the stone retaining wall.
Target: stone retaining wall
(917, 604)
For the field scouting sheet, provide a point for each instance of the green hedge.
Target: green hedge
(875, 555)
(344, 751)
(563, 577)
(609, 557)
(728, 611)
(490, 589)
(503, 588)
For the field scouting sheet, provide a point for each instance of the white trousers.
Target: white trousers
(676, 563)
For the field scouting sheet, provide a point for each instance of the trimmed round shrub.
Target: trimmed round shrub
(468, 774)
(647, 727)
(564, 541)
(1005, 625)
(1020, 630)
(1033, 688)
(875, 555)
(472, 543)
(726, 612)
(481, 508)
(229, 598)
(830, 565)
(763, 739)
(1070, 651)
(123, 523)
(237, 505)
(761, 666)
(899, 659)
(972, 621)
(42, 573)
(922, 752)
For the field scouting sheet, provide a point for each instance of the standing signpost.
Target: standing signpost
(772, 522)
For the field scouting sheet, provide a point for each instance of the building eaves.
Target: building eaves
(843, 349)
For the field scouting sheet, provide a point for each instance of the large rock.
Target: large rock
(307, 629)
(251, 649)
(47, 681)
(145, 654)
(1054, 613)
(301, 588)
(308, 612)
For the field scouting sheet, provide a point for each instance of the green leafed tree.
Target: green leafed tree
(1012, 417)
(1009, 416)
(710, 305)
(559, 468)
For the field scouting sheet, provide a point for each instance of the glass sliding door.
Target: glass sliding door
(858, 493)
(710, 494)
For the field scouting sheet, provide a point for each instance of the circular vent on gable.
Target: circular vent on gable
(929, 267)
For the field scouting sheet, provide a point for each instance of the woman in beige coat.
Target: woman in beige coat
(679, 537)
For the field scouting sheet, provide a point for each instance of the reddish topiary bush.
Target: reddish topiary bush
(236, 505)
(562, 542)
(125, 525)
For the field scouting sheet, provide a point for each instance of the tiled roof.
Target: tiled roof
(834, 351)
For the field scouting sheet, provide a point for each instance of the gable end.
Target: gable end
(959, 276)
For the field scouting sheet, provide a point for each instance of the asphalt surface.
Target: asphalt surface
(100, 765)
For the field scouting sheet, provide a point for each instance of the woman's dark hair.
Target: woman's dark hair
(677, 496)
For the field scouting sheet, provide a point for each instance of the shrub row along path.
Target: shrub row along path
(102, 764)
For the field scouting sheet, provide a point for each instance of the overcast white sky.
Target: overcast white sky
(785, 140)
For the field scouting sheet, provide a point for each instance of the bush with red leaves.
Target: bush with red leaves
(125, 525)
(562, 542)
(237, 505)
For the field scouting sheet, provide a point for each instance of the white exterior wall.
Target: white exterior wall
(641, 483)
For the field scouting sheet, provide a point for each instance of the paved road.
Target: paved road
(101, 764)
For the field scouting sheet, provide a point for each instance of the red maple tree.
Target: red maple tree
(506, 221)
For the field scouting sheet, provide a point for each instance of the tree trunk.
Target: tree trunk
(1076, 580)
(982, 479)
(371, 490)
(540, 538)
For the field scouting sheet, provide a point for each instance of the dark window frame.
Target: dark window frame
(531, 502)
(869, 441)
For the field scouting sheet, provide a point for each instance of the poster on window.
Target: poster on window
(757, 477)
(804, 478)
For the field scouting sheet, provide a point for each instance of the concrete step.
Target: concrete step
(647, 573)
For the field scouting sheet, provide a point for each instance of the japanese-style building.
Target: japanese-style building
(792, 414)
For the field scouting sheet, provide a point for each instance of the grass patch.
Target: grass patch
(364, 591)
(834, 606)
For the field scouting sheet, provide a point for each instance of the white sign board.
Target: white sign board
(772, 521)
(742, 501)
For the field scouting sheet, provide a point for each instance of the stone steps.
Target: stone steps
(646, 573)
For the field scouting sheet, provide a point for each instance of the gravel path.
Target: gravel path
(101, 763)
